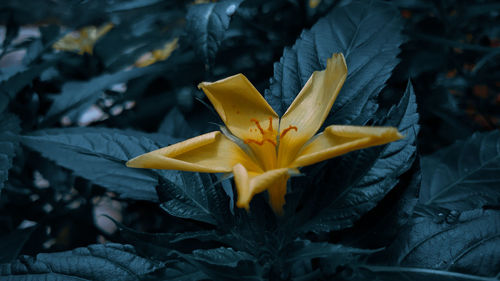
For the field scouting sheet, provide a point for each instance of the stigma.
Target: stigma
(269, 134)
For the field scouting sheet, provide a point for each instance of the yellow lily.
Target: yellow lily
(83, 40)
(260, 149)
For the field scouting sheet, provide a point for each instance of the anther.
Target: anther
(265, 133)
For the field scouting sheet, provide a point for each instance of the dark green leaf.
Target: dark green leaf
(195, 197)
(11, 34)
(130, 5)
(468, 242)
(78, 96)
(224, 264)
(222, 256)
(368, 34)
(175, 125)
(207, 24)
(14, 82)
(182, 271)
(12, 243)
(9, 127)
(95, 262)
(353, 184)
(305, 250)
(465, 175)
(99, 155)
(397, 273)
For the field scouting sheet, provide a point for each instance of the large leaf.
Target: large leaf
(305, 250)
(195, 197)
(468, 243)
(95, 262)
(12, 243)
(224, 264)
(9, 127)
(397, 273)
(222, 256)
(175, 125)
(78, 96)
(368, 34)
(352, 185)
(301, 254)
(207, 24)
(465, 175)
(99, 155)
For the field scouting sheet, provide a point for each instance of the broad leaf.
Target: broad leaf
(175, 125)
(78, 96)
(224, 264)
(397, 273)
(182, 271)
(222, 256)
(99, 155)
(305, 250)
(207, 24)
(195, 197)
(465, 175)
(468, 243)
(95, 262)
(12, 83)
(9, 127)
(352, 185)
(12, 243)
(368, 34)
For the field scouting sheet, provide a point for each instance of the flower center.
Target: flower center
(268, 134)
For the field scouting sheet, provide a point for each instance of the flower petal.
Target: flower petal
(211, 153)
(310, 108)
(337, 140)
(238, 102)
(250, 183)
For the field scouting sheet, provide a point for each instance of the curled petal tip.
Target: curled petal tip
(133, 163)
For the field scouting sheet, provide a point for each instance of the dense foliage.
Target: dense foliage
(426, 207)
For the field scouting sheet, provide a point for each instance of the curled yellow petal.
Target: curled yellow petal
(210, 153)
(310, 108)
(337, 140)
(249, 184)
(240, 106)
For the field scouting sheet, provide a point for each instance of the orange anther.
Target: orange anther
(287, 130)
(267, 135)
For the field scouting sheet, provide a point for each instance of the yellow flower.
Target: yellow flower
(83, 40)
(261, 149)
(157, 55)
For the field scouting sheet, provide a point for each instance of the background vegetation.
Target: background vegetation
(74, 111)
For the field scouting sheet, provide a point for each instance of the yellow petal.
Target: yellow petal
(310, 108)
(211, 153)
(238, 102)
(250, 183)
(337, 140)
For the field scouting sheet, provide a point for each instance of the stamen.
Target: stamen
(258, 125)
(265, 133)
(287, 130)
(270, 127)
